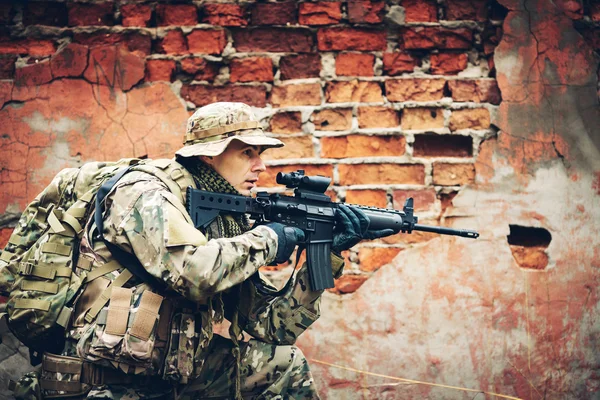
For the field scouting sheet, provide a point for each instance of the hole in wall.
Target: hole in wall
(528, 246)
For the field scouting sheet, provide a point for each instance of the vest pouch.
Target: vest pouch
(63, 376)
(129, 333)
(179, 361)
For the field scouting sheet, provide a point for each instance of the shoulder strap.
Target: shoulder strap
(124, 258)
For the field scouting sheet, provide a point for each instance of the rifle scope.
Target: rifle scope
(298, 180)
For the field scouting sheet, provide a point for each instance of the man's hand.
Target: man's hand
(352, 226)
(287, 239)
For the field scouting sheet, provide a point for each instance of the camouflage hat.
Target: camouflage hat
(211, 128)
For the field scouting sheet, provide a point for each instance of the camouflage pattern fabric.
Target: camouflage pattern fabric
(144, 218)
(269, 372)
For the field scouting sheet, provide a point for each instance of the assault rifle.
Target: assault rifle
(311, 210)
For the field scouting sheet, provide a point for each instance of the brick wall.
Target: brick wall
(390, 99)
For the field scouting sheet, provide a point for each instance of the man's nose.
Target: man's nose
(259, 165)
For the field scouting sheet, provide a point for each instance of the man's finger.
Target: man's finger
(362, 218)
(351, 222)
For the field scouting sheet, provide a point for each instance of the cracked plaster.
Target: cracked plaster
(462, 313)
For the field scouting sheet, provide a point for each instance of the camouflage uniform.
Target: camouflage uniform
(144, 218)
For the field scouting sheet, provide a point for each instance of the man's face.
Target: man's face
(240, 164)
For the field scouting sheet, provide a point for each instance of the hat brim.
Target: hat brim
(217, 147)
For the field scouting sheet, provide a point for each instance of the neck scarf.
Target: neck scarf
(206, 178)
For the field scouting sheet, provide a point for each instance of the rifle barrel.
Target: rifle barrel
(446, 231)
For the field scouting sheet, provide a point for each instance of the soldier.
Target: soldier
(209, 275)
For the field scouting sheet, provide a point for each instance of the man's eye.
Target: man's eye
(248, 152)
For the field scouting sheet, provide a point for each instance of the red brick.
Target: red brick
(354, 64)
(295, 147)
(224, 14)
(101, 68)
(32, 47)
(367, 197)
(136, 14)
(4, 236)
(333, 119)
(286, 122)
(201, 69)
(422, 118)
(45, 13)
(33, 74)
(267, 178)
(378, 117)
(443, 146)
(320, 13)
(300, 66)
(414, 89)
(472, 10)
(273, 40)
(251, 69)
(202, 95)
(136, 42)
(424, 200)
(470, 118)
(429, 37)
(86, 14)
(160, 70)
(176, 14)
(70, 61)
(530, 257)
(362, 146)
(173, 43)
(305, 94)
(446, 199)
(372, 258)
(7, 66)
(399, 62)
(350, 39)
(209, 41)
(478, 91)
(366, 12)
(420, 10)
(348, 284)
(274, 13)
(448, 63)
(491, 37)
(387, 174)
(445, 174)
(353, 91)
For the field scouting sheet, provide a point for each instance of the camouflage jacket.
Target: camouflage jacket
(144, 218)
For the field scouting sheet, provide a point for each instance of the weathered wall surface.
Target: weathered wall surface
(485, 113)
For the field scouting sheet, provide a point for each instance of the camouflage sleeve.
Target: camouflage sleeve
(280, 320)
(146, 219)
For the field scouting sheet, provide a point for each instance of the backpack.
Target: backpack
(37, 267)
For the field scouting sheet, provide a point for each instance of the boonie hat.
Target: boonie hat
(211, 128)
